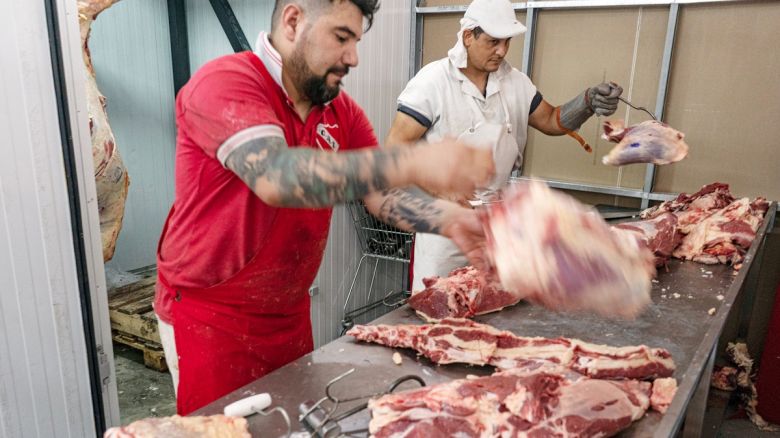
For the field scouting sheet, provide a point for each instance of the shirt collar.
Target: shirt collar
(493, 84)
(270, 58)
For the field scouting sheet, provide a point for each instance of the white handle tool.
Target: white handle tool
(248, 406)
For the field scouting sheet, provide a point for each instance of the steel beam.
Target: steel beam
(230, 25)
(180, 50)
(415, 60)
(596, 188)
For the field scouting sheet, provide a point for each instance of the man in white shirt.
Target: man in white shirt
(476, 95)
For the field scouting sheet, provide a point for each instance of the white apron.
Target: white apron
(438, 255)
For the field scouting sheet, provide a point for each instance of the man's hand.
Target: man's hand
(452, 167)
(603, 98)
(465, 230)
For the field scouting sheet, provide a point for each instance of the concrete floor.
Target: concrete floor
(143, 392)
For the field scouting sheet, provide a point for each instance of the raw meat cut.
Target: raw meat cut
(717, 228)
(464, 293)
(663, 392)
(551, 249)
(111, 178)
(523, 402)
(658, 234)
(648, 142)
(215, 426)
(458, 340)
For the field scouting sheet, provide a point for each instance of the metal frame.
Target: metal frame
(646, 193)
(230, 25)
(180, 50)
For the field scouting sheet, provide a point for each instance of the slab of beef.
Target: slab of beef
(659, 234)
(716, 227)
(215, 426)
(648, 142)
(464, 293)
(538, 401)
(464, 341)
(550, 249)
(111, 178)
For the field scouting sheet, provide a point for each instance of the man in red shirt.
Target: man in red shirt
(266, 144)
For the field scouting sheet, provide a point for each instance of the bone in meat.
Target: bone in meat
(648, 142)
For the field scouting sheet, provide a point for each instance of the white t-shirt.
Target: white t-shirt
(438, 98)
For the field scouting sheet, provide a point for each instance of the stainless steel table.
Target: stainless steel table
(677, 320)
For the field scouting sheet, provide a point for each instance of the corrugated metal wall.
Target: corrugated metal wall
(131, 52)
(44, 380)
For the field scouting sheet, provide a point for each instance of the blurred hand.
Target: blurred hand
(451, 167)
(603, 98)
(464, 228)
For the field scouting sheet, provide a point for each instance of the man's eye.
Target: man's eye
(341, 39)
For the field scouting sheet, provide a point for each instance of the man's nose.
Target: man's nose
(503, 48)
(350, 58)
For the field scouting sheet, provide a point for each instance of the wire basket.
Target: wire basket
(378, 239)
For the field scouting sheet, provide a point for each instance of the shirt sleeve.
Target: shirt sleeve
(225, 98)
(418, 100)
(362, 133)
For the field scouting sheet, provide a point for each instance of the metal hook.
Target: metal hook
(639, 108)
(282, 411)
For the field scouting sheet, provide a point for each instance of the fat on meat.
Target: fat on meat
(466, 292)
(659, 234)
(647, 142)
(550, 249)
(214, 426)
(457, 340)
(538, 400)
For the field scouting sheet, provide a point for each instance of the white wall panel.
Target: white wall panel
(44, 381)
(131, 52)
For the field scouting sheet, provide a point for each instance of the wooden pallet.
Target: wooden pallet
(134, 323)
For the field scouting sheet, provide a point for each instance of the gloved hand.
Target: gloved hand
(601, 99)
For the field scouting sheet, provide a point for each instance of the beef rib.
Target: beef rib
(551, 249)
(648, 142)
(456, 340)
(659, 234)
(464, 293)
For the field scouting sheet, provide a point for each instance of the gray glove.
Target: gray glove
(601, 99)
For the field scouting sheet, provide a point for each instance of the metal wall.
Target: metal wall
(44, 381)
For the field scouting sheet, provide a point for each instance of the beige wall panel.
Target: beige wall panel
(600, 198)
(439, 33)
(576, 49)
(725, 95)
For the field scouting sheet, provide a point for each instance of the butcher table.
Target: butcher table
(678, 319)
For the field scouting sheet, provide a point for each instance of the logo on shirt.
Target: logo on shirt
(324, 134)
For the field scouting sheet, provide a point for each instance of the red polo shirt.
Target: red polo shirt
(217, 224)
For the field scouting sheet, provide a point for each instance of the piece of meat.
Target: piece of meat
(465, 341)
(540, 402)
(663, 393)
(691, 209)
(111, 178)
(648, 142)
(215, 426)
(659, 234)
(550, 249)
(464, 293)
(722, 237)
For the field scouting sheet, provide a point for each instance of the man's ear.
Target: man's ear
(292, 16)
(468, 37)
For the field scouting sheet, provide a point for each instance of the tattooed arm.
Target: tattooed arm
(411, 209)
(306, 177)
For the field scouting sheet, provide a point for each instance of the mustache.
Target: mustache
(338, 70)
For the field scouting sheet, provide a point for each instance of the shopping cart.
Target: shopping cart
(378, 241)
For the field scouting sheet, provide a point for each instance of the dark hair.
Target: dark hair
(367, 7)
(476, 32)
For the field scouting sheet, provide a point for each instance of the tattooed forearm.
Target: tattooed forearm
(305, 177)
(411, 209)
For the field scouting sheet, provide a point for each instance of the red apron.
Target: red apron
(235, 332)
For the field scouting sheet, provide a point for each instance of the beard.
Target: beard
(311, 85)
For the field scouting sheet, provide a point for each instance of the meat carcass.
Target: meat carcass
(111, 178)
(648, 142)
(659, 234)
(724, 236)
(522, 402)
(549, 248)
(458, 340)
(717, 228)
(464, 293)
(215, 426)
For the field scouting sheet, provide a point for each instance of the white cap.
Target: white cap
(496, 17)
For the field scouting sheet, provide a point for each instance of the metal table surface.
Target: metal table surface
(677, 320)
